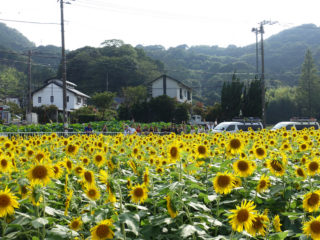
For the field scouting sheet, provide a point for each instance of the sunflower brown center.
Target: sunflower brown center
(224, 181)
(201, 149)
(300, 172)
(243, 166)
(24, 190)
(55, 169)
(75, 224)
(39, 156)
(69, 164)
(88, 177)
(257, 224)
(260, 151)
(92, 192)
(39, 172)
(313, 200)
(71, 148)
(315, 227)
(4, 200)
(138, 192)
(135, 151)
(4, 163)
(313, 166)
(173, 151)
(243, 215)
(235, 143)
(98, 158)
(303, 146)
(276, 166)
(102, 231)
(263, 183)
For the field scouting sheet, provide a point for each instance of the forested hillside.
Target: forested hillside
(207, 67)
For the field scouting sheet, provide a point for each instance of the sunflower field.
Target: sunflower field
(247, 185)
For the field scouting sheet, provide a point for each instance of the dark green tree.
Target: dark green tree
(182, 113)
(252, 103)
(231, 94)
(309, 86)
(162, 108)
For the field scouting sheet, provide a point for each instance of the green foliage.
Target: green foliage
(252, 102)
(308, 88)
(231, 98)
(15, 108)
(214, 113)
(281, 104)
(134, 95)
(182, 113)
(162, 108)
(12, 82)
(103, 101)
(46, 113)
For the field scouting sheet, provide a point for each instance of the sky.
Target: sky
(149, 22)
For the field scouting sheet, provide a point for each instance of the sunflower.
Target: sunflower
(88, 177)
(78, 170)
(102, 231)
(85, 160)
(92, 192)
(313, 167)
(171, 207)
(40, 173)
(303, 147)
(276, 167)
(146, 177)
(301, 173)
(201, 151)
(173, 152)
(68, 164)
(57, 171)
(276, 224)
(235, 145)
(223, 183)
(103, 176)
(8, 202)
(264, 184)
(24, 191)
(71, 149)
(139, 193)
(311, 201)
(5, 165)
(243, 216)
(99, 159)
(40, 155)
(244, 168)
(312, 228)
(259, 225)
(76, 224)
(260, 152)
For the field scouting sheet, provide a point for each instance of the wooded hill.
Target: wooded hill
(203, 67)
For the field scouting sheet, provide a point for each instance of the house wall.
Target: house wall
(173, 90)
(56, 91)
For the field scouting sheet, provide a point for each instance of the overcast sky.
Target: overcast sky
(149, 22)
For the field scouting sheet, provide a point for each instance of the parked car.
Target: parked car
(239, 124)
(297, 123)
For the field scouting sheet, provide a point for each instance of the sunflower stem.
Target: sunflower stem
(44, 215)
(4, 226)
(217, 211)
(121, 211)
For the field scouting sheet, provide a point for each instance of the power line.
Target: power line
(32, 22)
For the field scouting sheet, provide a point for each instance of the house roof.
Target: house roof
(76, 92)
(172, 79)
(53, 80)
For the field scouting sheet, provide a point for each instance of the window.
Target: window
(39, 99)
(78, 100)
(231, 128)
(189, 95)
(67, 98)
(181, 93)
(185, 93)
(51, 99)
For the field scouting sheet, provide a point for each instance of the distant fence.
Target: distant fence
(66, 134)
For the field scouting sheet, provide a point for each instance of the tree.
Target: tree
(12, 82)
(162, 108)
(182, 113)
(214, 113)
(103, 101)
(309, 86)
(231, 94)
(134, 95)
(251, 101)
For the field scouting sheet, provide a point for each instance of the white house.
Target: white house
(165, 85)
(52, 94)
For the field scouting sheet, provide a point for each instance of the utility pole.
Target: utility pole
(64, 72)
(263, 89)
(256, 31)
(29, 83)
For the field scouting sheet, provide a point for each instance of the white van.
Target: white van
(299, 124)
(237, 126)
